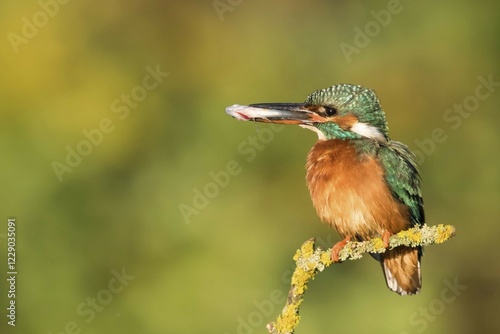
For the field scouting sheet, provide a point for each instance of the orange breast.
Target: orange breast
(349, 192)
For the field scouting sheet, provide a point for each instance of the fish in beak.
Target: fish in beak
(281, 113)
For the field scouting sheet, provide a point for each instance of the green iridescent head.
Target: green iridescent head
(352, 106)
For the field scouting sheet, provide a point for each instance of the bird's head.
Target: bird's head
(341, 111)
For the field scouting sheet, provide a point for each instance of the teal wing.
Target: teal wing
(401, 174)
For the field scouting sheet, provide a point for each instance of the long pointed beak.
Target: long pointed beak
(283, 113)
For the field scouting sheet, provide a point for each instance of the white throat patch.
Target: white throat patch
(368, 131)
(321, 135)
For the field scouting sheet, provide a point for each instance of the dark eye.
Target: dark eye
(330, 111)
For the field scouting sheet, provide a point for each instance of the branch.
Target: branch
(311, 260)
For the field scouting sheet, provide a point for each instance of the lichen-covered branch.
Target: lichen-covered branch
(311, 260)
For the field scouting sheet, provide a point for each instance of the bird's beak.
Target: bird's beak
(282, 113)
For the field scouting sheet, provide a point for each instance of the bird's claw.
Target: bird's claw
(385, 238)
(338, 247)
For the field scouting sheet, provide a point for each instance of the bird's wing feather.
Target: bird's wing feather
(402, 177)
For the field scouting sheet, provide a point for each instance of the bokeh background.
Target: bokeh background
(142, 203)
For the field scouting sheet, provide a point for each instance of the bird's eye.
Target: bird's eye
(330, 111)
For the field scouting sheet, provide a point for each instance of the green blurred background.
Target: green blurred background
(220, 264)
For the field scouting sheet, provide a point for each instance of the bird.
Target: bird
(362, 183)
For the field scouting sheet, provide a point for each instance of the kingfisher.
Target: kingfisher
(362, 183)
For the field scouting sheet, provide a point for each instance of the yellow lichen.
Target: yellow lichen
(289, 318)
(297, 255)
(326, 258)
(378, 244)
(411, 235)
(307, 248)
(310, 261)
(443, 233)
(299, 280)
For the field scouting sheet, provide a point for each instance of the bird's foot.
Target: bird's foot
(385, 238)
(338, 247)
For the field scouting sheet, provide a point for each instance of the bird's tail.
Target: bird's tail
(401, 267)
